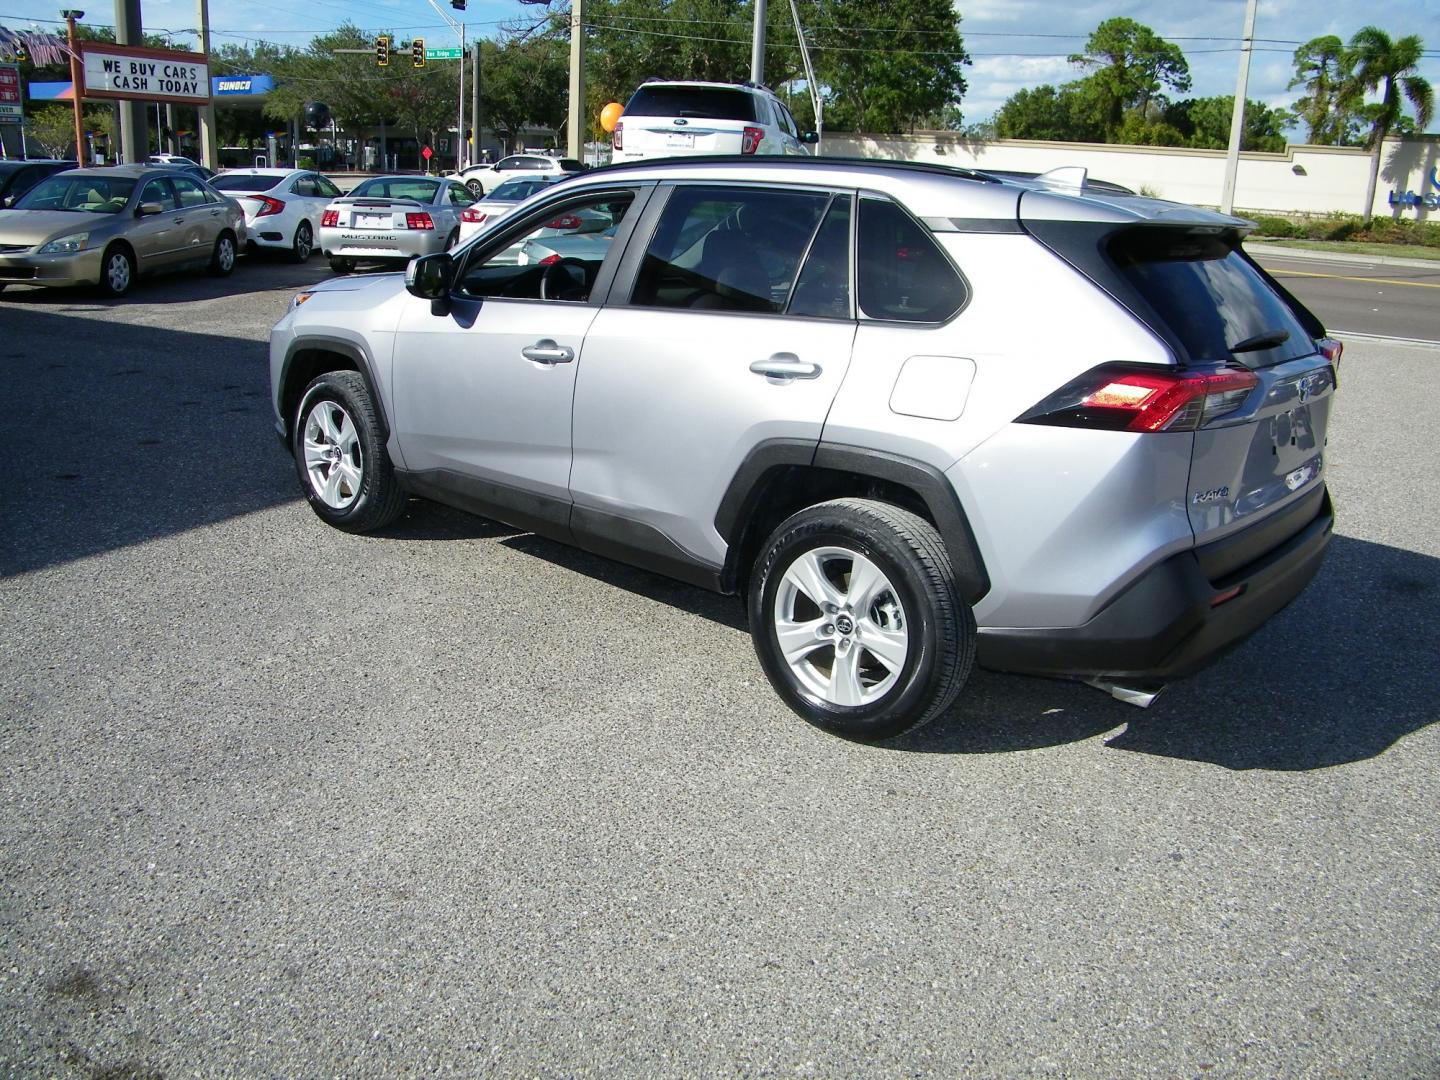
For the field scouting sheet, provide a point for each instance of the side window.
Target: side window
(305, 185)
(823, 288)
(189, 192)
(902, 275)
(325, 188)
(460, 195)
(787, 121)
(557, 258)
(728, 249)
(159, 191)
(508, 163)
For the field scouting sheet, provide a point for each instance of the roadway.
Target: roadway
(1360, 297)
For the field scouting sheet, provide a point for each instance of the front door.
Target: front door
(483, 392)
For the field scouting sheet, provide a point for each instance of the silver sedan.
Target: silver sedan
(393, 217)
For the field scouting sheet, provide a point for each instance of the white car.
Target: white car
(282, 206)
(483, 179)
(676, 119)
(500, 202)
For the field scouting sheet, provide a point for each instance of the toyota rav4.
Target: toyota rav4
(917, 417)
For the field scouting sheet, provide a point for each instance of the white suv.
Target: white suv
(670, 119)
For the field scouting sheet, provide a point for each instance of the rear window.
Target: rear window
(242, 182)
(397, 188)
(1209, 297)
(705, 102)
(517, 190)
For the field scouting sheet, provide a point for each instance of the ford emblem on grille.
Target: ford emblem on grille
(681, 122)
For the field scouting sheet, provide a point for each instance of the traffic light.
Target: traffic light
(417, 52)
(382, 51)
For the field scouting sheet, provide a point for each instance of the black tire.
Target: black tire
(476, 188)
(116, 280)
(222, 259)
(303, 246)
(377, 499)
(341, 265)
(921, 606)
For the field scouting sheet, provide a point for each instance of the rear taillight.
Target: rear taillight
(419, 221)
(617, 137)
(1332, 349)
(750, 140)
(564, 221)
(472, 216)
(330, 219)
(268, 205)
(549, 260)
(1121, 398)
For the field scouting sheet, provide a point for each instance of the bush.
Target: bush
(305, 163)
(1277, 226)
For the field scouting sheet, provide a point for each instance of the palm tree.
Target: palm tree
(1391, 68)
(1323, 67)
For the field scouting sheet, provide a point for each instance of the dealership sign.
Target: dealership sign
(128, 72)
(1430, 200)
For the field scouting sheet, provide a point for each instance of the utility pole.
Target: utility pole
(458, 28)
(816, 101)
(575, 143)
(134, 122)
(757, 45)
(75, 83)
(1237, 116)
(205, 113)
(475, 104)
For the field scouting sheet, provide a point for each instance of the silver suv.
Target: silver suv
(917, 417)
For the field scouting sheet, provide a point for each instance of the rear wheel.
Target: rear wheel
(476, 188)
(222, 259)
(341, 265)
(340, 455)
(117, 270)
(857, 621)
(304, 243)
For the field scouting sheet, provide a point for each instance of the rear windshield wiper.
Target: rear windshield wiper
(1266, 340)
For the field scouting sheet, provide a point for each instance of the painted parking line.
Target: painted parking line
(1345, 335)
(1368, 280)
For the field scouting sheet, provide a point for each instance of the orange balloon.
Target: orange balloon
(610, 115)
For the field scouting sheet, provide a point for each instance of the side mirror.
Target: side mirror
(145, 209)
(810, 137)
(430, 277)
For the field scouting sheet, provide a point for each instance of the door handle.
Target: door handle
(784, 365)
(546, 351)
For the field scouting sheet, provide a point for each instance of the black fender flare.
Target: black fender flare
(927, 482)
(351, 351)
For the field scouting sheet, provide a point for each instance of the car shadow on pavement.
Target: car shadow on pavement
(180, 287)
(131, 433)
(1344, 673)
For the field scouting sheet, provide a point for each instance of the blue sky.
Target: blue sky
(1015, 43)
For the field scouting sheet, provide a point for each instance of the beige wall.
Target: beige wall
(1304, 179)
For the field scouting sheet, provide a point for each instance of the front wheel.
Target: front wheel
(117, 271)
(476, 188)
(857, 621)
(222, 259)
(340, 455)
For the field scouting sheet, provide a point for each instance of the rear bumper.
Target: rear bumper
(1173, 621)
(362, 244)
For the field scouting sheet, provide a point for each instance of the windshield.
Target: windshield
(83, 194)
(397, 187)
(709, 102)
(244, 182)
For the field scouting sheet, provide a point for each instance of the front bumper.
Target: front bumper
(81, 268)
(380, 244)
(1175, 619)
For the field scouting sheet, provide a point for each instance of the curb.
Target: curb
(1279, 251)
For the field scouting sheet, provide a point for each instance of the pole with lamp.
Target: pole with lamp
(76, 82)
(459, 29)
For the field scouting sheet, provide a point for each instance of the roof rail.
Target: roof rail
(795, 161)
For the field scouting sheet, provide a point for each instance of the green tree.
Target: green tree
(1131, 66)
(1391, 69)
(1062, 114)
(1323, 66)
(1204, 123)
(525, 84)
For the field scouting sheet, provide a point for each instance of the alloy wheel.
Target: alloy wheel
(117, 272)
(334, 463)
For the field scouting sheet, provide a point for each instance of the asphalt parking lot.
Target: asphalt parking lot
(282, 801)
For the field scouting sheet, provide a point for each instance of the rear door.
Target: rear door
(731, 325)
(1221, 310)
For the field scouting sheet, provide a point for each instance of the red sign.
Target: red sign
(10, 108)
(427, 153)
